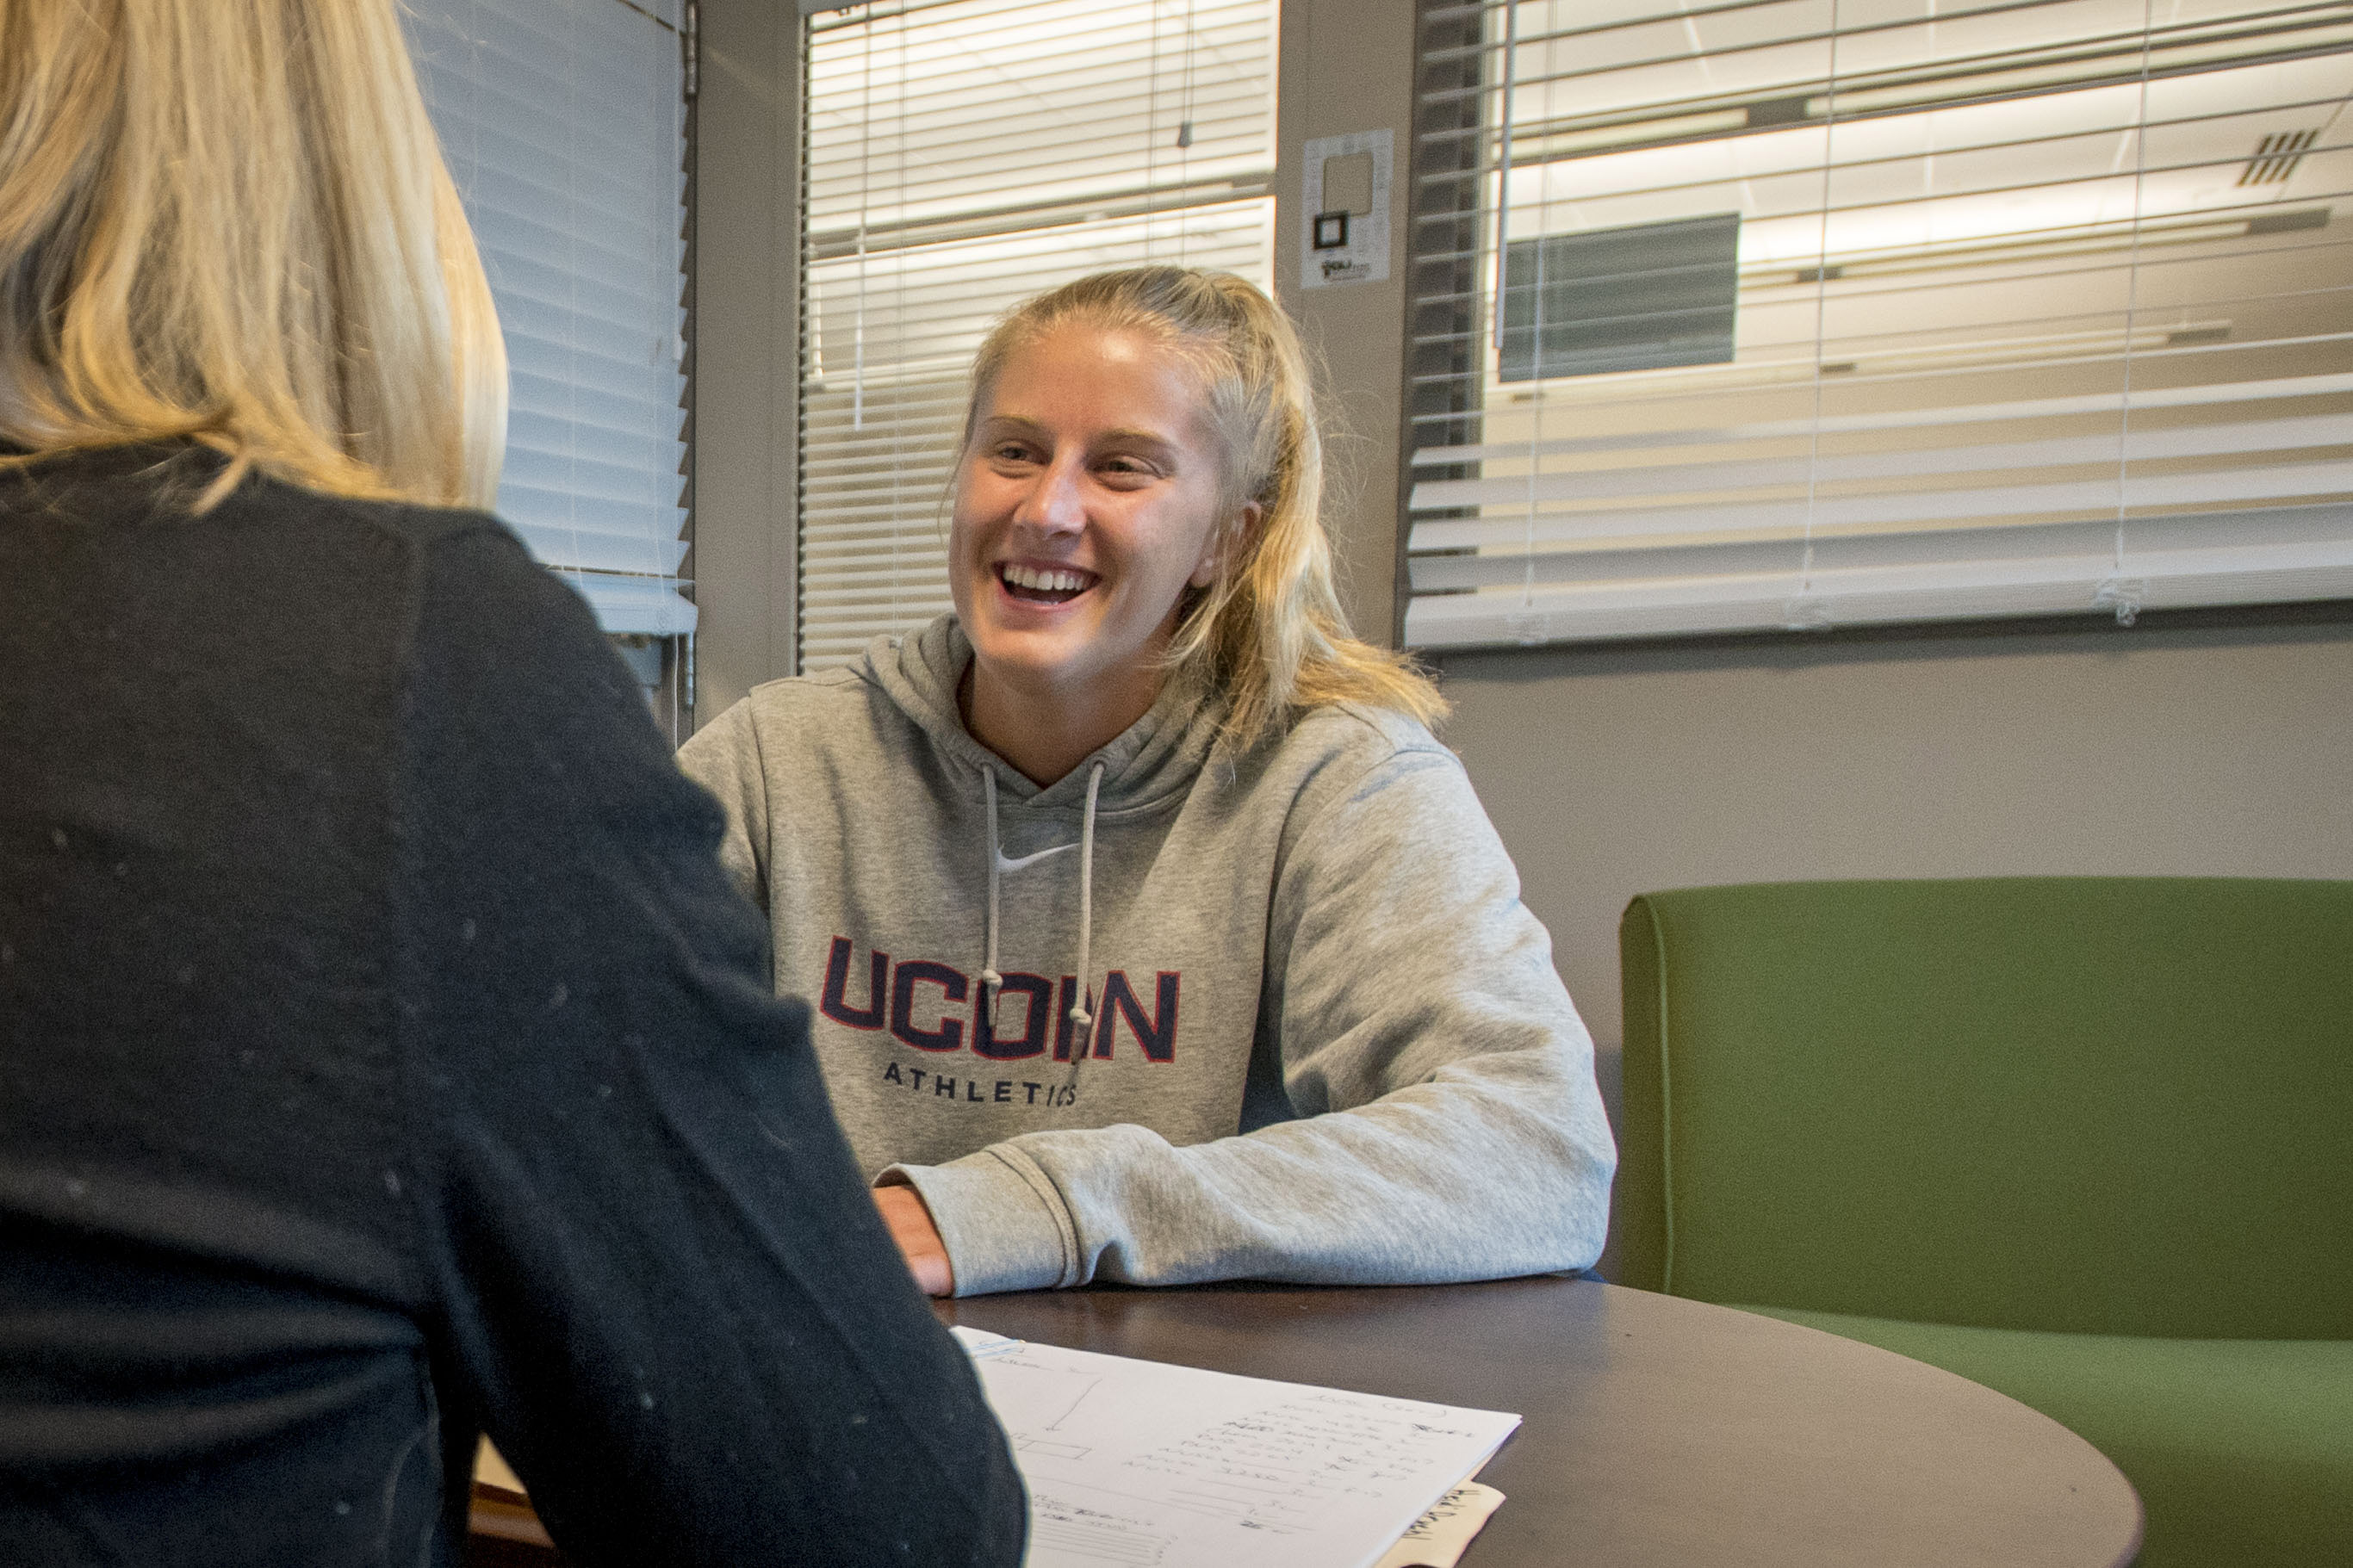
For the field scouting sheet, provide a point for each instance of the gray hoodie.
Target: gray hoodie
(1320, 1038)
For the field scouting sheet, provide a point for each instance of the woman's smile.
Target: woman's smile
(1027, 584)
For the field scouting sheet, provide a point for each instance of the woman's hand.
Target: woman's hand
(918, 1238)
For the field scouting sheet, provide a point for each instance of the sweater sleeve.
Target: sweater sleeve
(1449, 1127)
(658, 1281)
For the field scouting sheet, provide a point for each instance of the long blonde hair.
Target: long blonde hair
(1268, 635)
(228, 221)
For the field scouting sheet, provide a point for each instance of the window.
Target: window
(965, 154)
(564, 124)
(1821, 312)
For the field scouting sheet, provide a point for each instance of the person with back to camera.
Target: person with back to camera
(1154, 937)
(383, 1054)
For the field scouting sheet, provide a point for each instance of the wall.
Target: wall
(1347, 65)
(746, 350)
(2221, 750)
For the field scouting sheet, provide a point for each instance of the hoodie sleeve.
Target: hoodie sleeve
(1449, 1124)
(724, 757)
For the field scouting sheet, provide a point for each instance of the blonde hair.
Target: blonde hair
(1268, 635)
(228, 221)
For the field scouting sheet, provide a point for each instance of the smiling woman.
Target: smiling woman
(1196, 383)
(1281, 1015)
(1088, 501)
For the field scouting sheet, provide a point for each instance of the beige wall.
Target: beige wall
(1347, 65)
(746, 353)
(2226, 751)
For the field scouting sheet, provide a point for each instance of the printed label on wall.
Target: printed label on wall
(1344, 236)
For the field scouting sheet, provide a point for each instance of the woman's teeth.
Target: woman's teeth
(1030, 583)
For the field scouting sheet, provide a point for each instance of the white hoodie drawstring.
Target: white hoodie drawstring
(1084, 1020)
(991, 982)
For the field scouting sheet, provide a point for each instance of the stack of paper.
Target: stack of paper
(1135, 1463)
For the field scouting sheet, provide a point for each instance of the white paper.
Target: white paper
(1436, 1539)
(1135, 1463)
(980, 1344)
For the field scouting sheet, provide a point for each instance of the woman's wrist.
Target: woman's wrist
(910, 1226)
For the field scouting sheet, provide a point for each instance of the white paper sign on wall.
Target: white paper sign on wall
(1344, 231)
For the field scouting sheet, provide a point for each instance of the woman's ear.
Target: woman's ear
(1222, 541)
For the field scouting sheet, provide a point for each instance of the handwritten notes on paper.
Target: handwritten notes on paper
(1135, 1463)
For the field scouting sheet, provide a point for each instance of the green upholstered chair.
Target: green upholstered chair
(2087, 1140)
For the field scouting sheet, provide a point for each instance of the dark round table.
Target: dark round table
(1656, 1430)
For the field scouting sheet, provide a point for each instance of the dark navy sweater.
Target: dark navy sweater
(384, 1058)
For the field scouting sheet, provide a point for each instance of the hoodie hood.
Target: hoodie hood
(1158, 755)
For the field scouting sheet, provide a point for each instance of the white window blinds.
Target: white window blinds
(564, 124)
(1822, 312)
(964, 155)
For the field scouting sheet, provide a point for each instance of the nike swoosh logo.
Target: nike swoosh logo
(1004, 865)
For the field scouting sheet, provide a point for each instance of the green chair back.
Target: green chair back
(2102, 1105)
